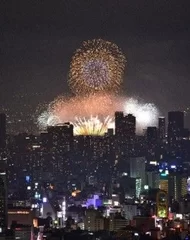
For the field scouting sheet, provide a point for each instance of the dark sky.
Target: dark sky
(38, 38)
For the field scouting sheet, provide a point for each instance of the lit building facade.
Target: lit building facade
(152, 179)
(61, 145)
(175, 126)
(161, 128)
(137, 169)
(21, 215)
(93, 221)
(129, 211)
(178, 187)
(155, 203)
(161, 204)
(164, 183)
(117, 223)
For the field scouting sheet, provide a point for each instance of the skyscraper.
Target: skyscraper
(125, 134)
(175, 125)
(118, 122)
(177, 185)
(129, 125)
(3, 196)
(2, 130)
(61, 140)
(137, 168)
(161, 204)
(161, 128)
(163, 183)
(125, 126)
(61, 135)
(152, 179)
(152, 135)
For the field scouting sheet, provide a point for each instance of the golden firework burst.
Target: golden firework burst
(97, 66)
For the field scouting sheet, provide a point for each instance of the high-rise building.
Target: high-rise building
(125, 134)
(61, 141)
(125, 126)
(175, 126)
(62, 130)
(156, 203)
(161, 128)
(3, 196)
(138, 186)
(118, 122)
(177, 185)
(137, 169)
(152, 179)
(152, 135)
(93, 220)
(129, 210)
(129, 125)
(152, 142)
(62, 136)
(116, 223)
(162, 204)
(2, 130)
(163, 183)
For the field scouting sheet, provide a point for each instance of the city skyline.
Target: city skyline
(37, 50)
(94, 119)
(93, 183)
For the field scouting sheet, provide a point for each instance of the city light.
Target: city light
(95, 133)
(44, 200)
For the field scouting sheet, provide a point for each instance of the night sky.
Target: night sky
(38, 38)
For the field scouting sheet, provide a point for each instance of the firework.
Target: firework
(146, 113)
(102, 105)
(89, 115)
(46, 119)
(97, 66)
(92, 126)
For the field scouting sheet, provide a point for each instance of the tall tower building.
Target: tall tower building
(152, 135)
(3, 196)
(161, 128)
(118, 122)
(175, 125)
(61, 135)
(125, 134)
(177, 185)
(152, 179)
(137, 169)
(161, 204)
(2, 130)
(125, 126)
(163, 183)
(61, 140)
(129, 125)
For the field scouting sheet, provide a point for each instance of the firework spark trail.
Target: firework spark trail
(94, 105)
(64, 109)
(93, 111)
(146, 113)
(92, 126)
(47, 118)
(97, 66)
(95, 75)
